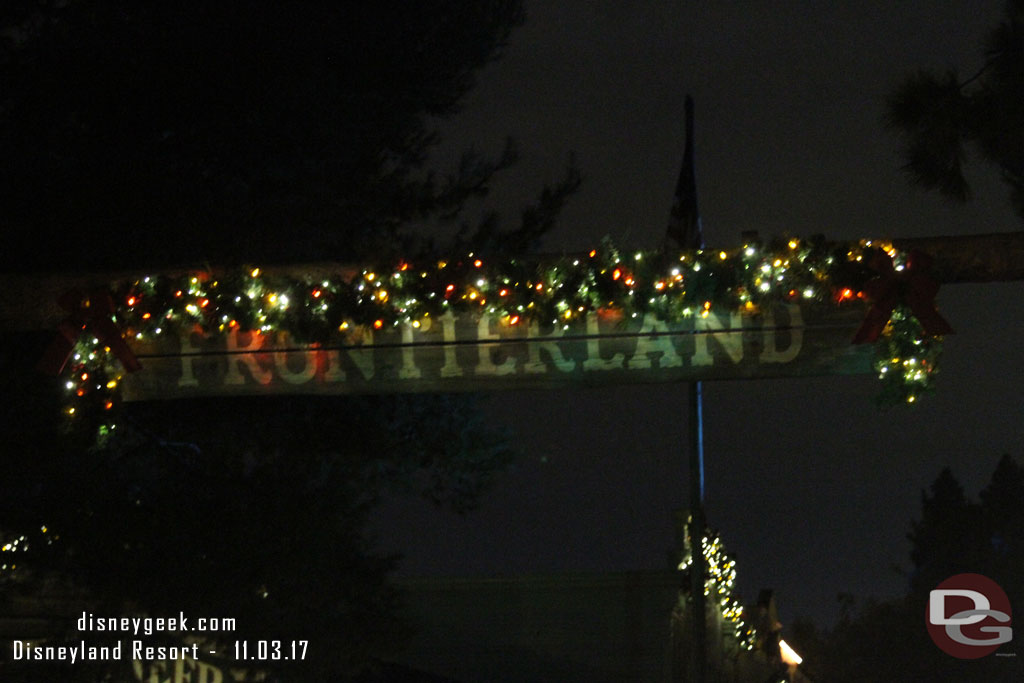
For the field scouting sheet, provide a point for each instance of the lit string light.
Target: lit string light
(720, 586)
(13, 549)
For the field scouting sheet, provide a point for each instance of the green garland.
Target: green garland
(672, 286)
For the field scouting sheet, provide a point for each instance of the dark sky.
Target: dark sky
(810, 485)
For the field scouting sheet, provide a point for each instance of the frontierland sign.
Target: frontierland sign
(787, 308)
(482, 352)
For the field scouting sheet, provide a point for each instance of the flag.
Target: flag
(684, 228)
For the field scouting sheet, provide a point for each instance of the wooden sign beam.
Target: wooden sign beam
(479, 351)
(996, 257)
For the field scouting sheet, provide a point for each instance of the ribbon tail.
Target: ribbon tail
(874, 322)
(921, 300)
(933, 323)
(111, 336)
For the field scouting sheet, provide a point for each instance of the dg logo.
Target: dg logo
(968, 616)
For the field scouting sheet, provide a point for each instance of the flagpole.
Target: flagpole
(686, 230)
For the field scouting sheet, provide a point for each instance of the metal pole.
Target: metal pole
(685, 229)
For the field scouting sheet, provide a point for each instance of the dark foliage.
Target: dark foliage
(939, 116)
(141, 134)
(261, 518)
(193, 132)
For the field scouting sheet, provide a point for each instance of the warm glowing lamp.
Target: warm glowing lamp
(789, 655)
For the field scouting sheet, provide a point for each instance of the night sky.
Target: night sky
(811, 486)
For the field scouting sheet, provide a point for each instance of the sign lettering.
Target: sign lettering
(480, 353)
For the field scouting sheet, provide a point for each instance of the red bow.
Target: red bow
(912, 287)
(93, 311)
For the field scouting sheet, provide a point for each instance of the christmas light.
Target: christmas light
(719, 585)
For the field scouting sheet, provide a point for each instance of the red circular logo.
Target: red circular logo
(968, 616)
